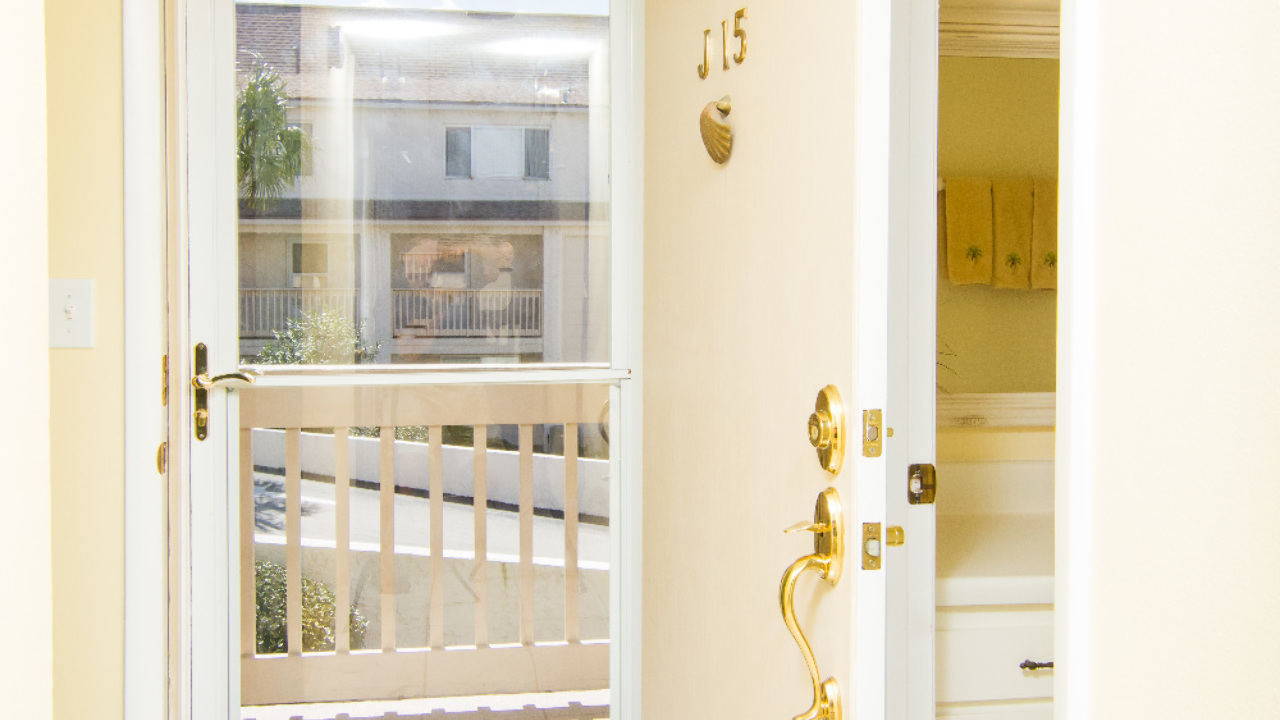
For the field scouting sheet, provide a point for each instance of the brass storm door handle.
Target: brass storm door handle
(202, 383)
(828, 559)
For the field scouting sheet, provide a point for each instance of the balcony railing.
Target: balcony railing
(479, 607)
(430, 312)
(263, 310)
(468, 313)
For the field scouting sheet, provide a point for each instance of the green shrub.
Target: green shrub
(317, 613)
(323, 337)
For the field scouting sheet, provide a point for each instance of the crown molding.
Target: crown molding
(1006, 30)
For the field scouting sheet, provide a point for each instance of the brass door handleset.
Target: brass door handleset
(201, 383)
(828, 559)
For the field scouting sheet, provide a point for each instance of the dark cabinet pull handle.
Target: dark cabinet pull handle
(1033, 665)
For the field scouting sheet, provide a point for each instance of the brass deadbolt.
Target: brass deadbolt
(826, 429)
(894, 536)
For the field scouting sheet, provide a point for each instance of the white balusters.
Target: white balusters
(342, 540)
(293, 540)
(480, 508)
(435, 473)
(526, 534)
(386, 534)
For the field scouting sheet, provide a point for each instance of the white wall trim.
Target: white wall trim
(1074, 451)
(146, 541)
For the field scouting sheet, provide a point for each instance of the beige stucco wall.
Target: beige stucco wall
(1168, 528)
(26, 670)
(996, 118)
(87, 386)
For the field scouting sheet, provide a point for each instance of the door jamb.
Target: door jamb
(1074, 460)
(145, 269)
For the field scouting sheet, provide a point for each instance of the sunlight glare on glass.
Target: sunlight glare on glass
(545, 47)
(397, 29)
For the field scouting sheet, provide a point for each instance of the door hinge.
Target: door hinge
(872, 432)
(164, 381)
(922, 484)
(162, 458)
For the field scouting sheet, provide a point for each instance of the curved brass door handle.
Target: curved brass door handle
(828, 560)
(202, 383)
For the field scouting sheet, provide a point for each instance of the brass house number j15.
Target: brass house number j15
(738, 32)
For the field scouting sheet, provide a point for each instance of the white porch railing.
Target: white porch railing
(398, 670)
(263, 310)
(438, 312)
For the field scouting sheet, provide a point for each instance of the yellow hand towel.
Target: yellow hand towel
(969, 231)
(1044, 235)
(1011, 208)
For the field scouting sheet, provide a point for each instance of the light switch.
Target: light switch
(70, 313)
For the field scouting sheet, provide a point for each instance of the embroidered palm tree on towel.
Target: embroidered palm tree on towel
(1051, 259)
(1013, 260)
(974, 253)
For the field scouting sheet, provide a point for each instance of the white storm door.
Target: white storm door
(452, 439)
(768, 277)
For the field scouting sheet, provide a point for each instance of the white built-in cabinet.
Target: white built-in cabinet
(995, 555)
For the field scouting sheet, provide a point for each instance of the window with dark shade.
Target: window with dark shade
(537, 153)
(457, 152)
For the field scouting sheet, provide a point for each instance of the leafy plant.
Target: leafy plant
(1051, 259)
(317, 613)
(270, 152)
(1013, 260)
(324, 337)
(973, 253)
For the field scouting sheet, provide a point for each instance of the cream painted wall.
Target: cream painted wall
(86, 240)
(26, 672)
(996, 118)
(1168, 525)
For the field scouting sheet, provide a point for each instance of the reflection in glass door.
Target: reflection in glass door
(419, 185)
(435, 179)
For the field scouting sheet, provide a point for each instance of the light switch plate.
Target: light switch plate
(70, 313)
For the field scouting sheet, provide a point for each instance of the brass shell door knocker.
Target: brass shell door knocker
(717, 135)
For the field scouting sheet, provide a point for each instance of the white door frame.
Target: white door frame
(1074, 464)
(149, 693)
(910, 617)
(145, 269)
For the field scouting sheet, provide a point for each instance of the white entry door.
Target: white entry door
(804, 259)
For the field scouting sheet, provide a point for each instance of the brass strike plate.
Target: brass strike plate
(872, 433)
(922, 484)
(827, 429)
(872, 548)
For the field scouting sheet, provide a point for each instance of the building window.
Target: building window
(492, 151)
(308, 264)
(537, 153)
(457, 152)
